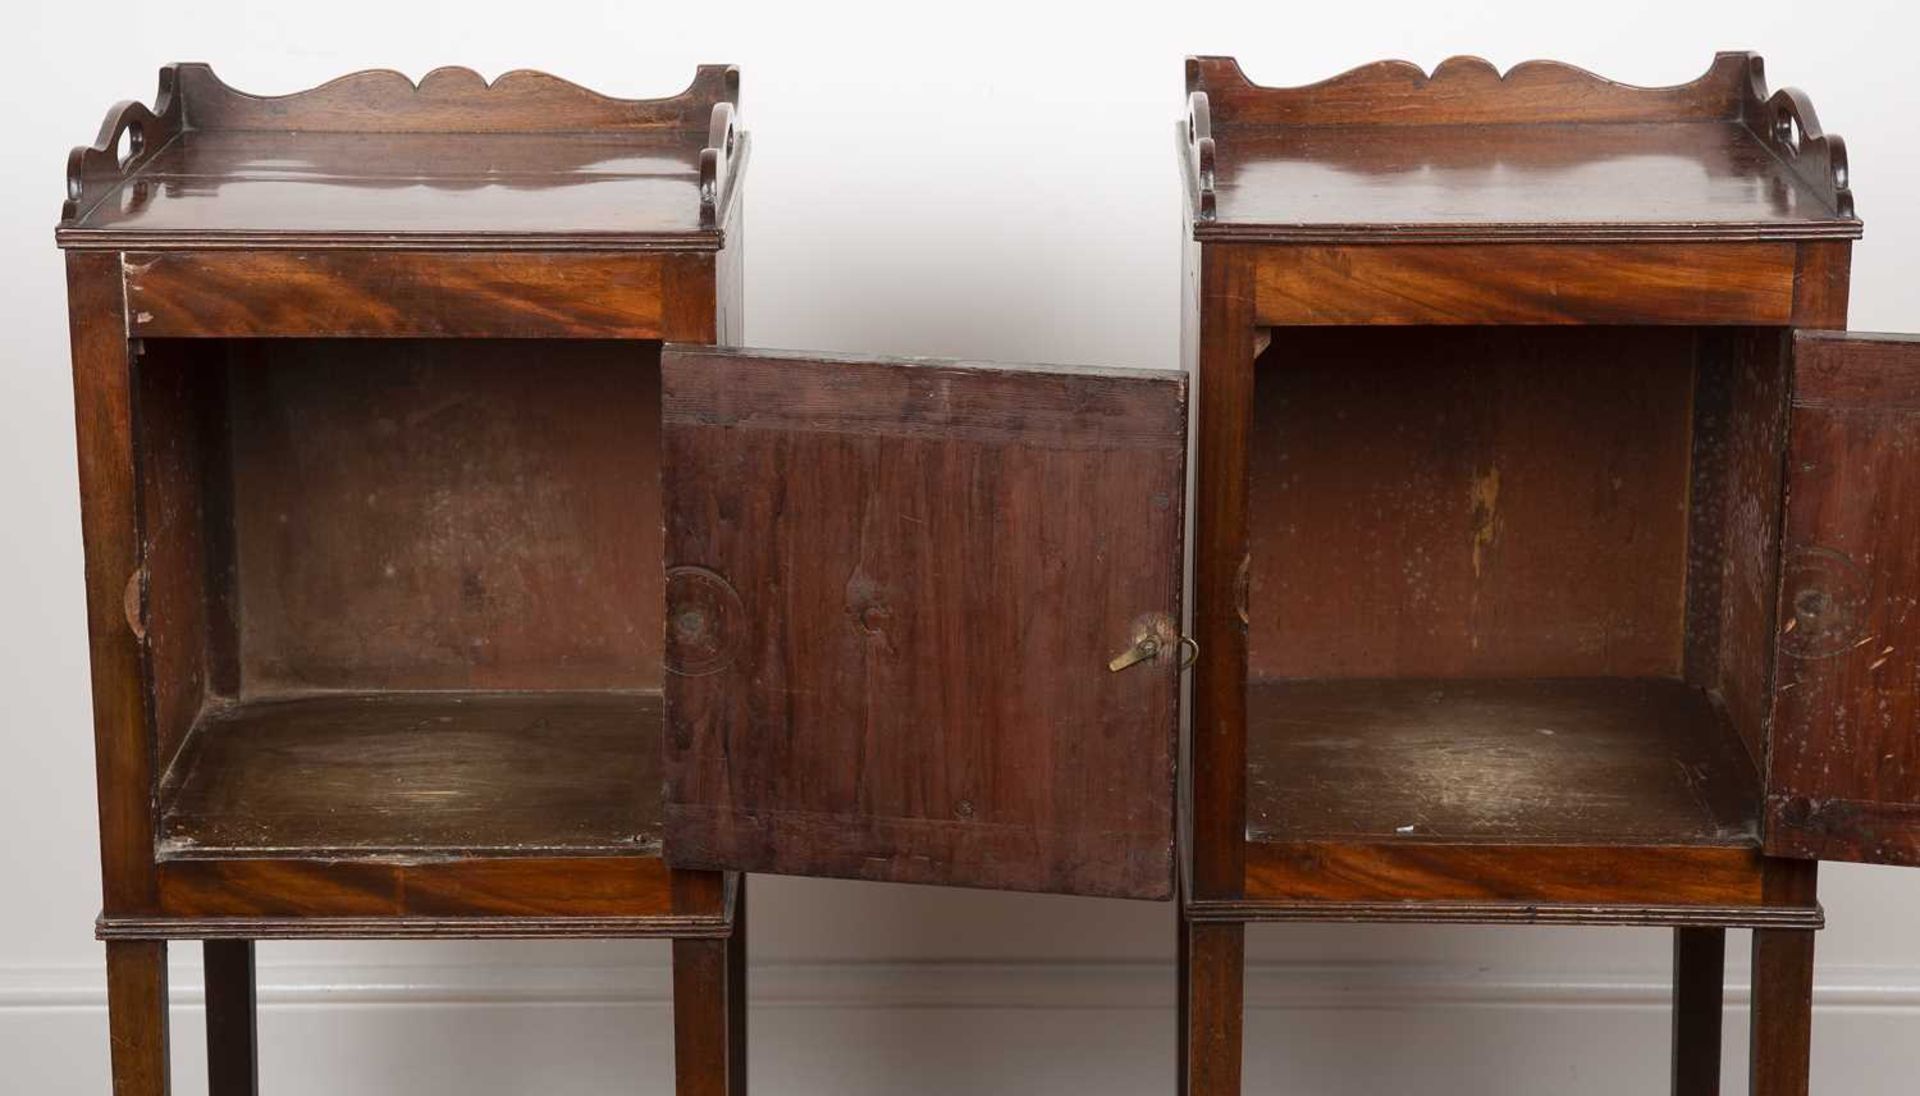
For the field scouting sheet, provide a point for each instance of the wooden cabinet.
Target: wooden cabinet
(1553, 559)
(368, 396)
(446, 580)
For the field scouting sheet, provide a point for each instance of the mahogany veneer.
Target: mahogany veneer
(1388, 153)
(528, 161)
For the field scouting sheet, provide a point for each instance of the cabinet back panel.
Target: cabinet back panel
(1470, 502)
(435, 514)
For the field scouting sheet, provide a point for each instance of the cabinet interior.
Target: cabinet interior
(403, 596)
(1512, 584)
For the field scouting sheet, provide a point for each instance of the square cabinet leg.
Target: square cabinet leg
(1699, 973)
(137, 1017)
(710, 1010)
(737, 995)
(1212, 958)
(233, 1067)
(1782, 1036)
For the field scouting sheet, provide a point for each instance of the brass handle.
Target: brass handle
(1155, 635)
(1144, 648)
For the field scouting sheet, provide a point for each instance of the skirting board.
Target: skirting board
(953, 1029)
(956, 985)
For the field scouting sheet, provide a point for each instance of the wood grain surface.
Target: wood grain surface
(1526, 283)
(1733, 537)
(585, 895)
(290, 294)
(416, 514)
(1503, 762)
(1699, 980)
(1843, 779)
(1388, 153)
(1418, 506)
(896, 590)
(375, 161)
(419, 774)
(137, 1020)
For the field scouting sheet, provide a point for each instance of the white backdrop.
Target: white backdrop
(987, 180)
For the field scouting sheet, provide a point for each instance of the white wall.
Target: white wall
(984, 179)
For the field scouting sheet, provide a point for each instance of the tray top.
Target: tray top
(374, 160)
(1546, 152)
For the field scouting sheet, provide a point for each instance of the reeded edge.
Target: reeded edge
(680, 927)
(1501, 913)
(84, 239)
(1637, 232)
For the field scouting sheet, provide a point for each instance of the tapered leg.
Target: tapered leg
(1182, 975)
(709, 1012)
(137, 1017)
(1782, 1035)
(1699, 972)
(1212, 957)
(737, 996)
(233, 1065)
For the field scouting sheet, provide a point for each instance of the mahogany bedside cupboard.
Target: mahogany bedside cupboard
(367, 390)
(1556, 558)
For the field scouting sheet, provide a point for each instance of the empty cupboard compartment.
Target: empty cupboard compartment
(402, 597)
(1505, 584)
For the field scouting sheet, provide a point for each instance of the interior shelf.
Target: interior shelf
(1527, 761)
(418, 774)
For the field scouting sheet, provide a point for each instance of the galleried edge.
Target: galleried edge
(1469, 90)
(450, 99)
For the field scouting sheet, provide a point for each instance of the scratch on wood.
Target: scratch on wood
(1485, 496)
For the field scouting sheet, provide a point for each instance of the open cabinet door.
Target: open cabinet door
(921, 620)
(1843, 770)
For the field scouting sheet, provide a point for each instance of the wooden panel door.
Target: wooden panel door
(1843, 770)
(921, 620)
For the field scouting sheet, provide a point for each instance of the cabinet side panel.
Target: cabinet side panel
(1223, 371)
(1844, 772)
(103, 414)
(1740, 425)
(180, 414)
